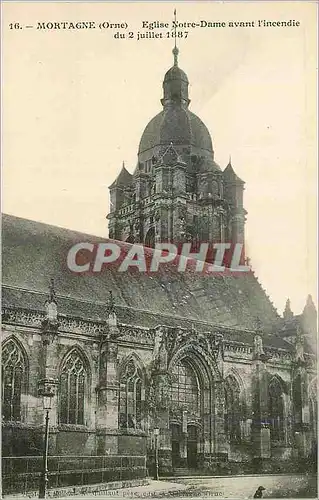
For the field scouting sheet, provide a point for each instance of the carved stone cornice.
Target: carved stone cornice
(141, 335)
(36, 319)
(146, 336)
(86, 327)
(278, 354)
(23, 317)
(237, 347)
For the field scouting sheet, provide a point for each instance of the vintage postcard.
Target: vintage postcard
(159, 251)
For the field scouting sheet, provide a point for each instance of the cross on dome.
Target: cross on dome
(175, 49)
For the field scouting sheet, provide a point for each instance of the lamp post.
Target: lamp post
(46, 390)
(156, 434)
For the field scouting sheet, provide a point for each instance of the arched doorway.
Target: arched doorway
(192, 446)
(186, 398)
(176, 445)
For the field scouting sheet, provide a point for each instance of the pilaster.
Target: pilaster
(301, 428)
(260, 426)
(108, 387)
(220, 444)
(48, 362)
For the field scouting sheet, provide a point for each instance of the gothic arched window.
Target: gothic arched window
(184, 387)
(72, 390)
(131, 397)
(150, 238)
(13, 380)
(232, 410)
(276, 410)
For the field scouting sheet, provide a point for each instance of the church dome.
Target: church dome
(175, 124)
(179, 126)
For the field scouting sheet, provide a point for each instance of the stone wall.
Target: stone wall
(21, 475)
(100, 434)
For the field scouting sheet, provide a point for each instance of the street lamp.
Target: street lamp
(156, 434)
(46, 390)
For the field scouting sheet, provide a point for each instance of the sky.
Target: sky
(76, 102)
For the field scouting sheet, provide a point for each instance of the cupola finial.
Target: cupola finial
(175, 49)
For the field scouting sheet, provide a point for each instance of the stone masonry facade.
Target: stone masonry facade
(212, 399)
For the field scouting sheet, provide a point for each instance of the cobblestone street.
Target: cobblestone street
(226, 487)
(237, 487)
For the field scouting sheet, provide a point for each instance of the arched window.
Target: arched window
(72, 390)
(131, 397)
(13, 380)
(232, 410)
(150, 238)
(184, 387)
(276, 410)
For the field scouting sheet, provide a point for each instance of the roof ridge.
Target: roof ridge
(47, 224)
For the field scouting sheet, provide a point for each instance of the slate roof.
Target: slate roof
(177, 125)
(34, 252)
(229, 174)
(175, 73)
(123, 179)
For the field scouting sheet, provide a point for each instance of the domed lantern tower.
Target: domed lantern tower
(177, 193)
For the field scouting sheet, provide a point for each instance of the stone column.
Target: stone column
(184, 437)
(208, 422)
(159, 399)
(301, 414)
(48, 365)
(107, 400)
(160, 414)
(220, 444)
(108, 386)
(301, 398)
(260, 426)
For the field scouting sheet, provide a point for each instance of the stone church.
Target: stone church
(207, 360)
(177, 192)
